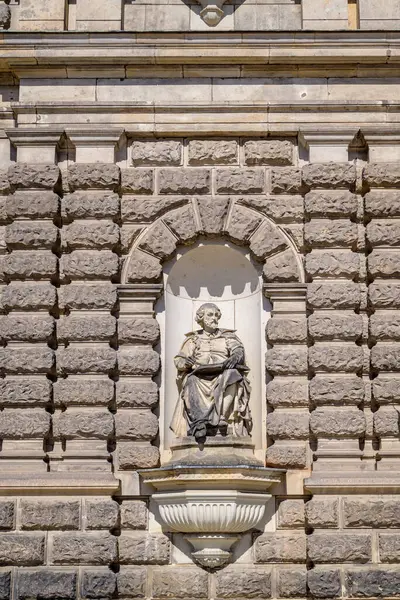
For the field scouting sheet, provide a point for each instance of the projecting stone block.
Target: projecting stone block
(278, 208)
(242, 224)
(137, 181)
(138, 330)
(184, 181)
(180, 583)
(389, 547)
(4, 184)
(134, 514)
(102, 513)
(331, 203)
(80, 425)
(213, 212)
(281, 268)
(90, 205)
(290, 456)
(322, 512)
(385, 326)
(242, 582)
(240, 181)
(287, 392)
(287, 330)
(86, 328)
(5, 585)
(89, 264)
(291, 513)
(24, 391)
(386, 422)
(335, 326)
(28, 176)
(140, 209)
(382, 203)
(16, 327)
(267, 240)
(384, 294)
(136, 394)
(93, 176)
(143, 548)
(382, 175)
(375, 511)
(333, 295)
(337, 390)
(331, 263)
(98, 584)
(22, 264)
(90, 296)
(384, 264)
(132, 455)
(131, 582)
(292, 583)
(87, 234)
(32, 205)
(83, 549)
(21, 424)
(383, 233)
(48, 584)
(337, 423)
(286, 425)
(182, 223)
(159, 241)
(329, 175)
(31, 235)
(28, 296)
(26, 360)
(49, 514)
(286, 361)
(339, 547)
(386, 357)
(324, 583)
(212, 152)
(7, 510)
(21, 549)
(386, 390)
(345, 358)
(137, 425)
(322, 233)
(143, 268)
(81, 359)
(268, 152)
(72, 392)
(286, 180)
(280, 548)
(157, 152)
(138, 361)
(373, 583)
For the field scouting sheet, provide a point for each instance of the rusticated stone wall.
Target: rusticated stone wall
(77, 395)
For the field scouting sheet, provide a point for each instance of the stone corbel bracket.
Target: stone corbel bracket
(211, 11)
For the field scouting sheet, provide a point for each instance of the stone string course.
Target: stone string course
(78, 395)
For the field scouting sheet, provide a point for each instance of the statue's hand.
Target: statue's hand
(231, 362)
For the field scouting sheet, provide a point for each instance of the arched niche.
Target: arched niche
(219, 272)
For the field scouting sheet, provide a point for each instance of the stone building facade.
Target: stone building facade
(134, 133)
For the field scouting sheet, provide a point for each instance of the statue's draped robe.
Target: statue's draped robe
(206, 397)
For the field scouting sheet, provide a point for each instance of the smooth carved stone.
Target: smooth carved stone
(331, 203)
(89, 264)
(22, 264)
(7, 509)
(338, 423)
(90, 296)
(322, 233)
(268, 152)
(384, 264)
(267, 240)
(324, 583)
(90, 205)
(84, 549)
(136, 425)
(137, 181)
(291, 514)
(32, 205)
(337, 390)
(242, 224)
(81, 425)
(131, 582)
(322, 512)
(30, 328)
(384, 294)
(334, 295)
(286, 180)
(386, 357)
(329, 175)
(138, 361)
(143, 548)
(5, 585)
(25, 423)
(383, 233)
(286, 425)
(102, 513)
(287, 456)
(93, 176)
(385, 326)
(287, 392)
(49, 514)
(137, 456)
(382, 203)
(86, 328)
(287, 330)
(292, 583)
(47, 583)
(382, 175)
(98, 584)
(143, 268)
(374, 511)
(134, 514)
(386, 390)
(21, 549)
(331, 263)
(138, 330)
(339, 547)
(240, 181)
(180, 583)
(184, 181)
(136, 394)
(81, 359)
(24, 391)
(280, 548)
(146, 210)
(213, 212)
(30, 360)
(328, 326)
(278, 208)
(373, 583)
(212, 152)
(26, 235)
(281, 267)
(157, 153)
(286, 361)
(182, 223)
(243, 582)
(84, 234)
(159, 241)
(40, 176)
(389, 547)
(386, 422)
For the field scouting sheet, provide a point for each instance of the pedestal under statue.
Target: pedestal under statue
(214, 391)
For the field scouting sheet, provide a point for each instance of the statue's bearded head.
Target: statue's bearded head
(207, 316)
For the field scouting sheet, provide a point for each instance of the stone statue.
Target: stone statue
(213, 388)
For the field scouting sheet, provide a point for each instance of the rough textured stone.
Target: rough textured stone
(287, 330)
(184, 181)
(131, 582)
(93, 176)
(159, 241)
(334, 295)
(25, 423)
(373, 511)
(242, 224)
(7, 509)
(28, 296)
(329, 175)
(22, 264)
(339, 547)
(143, 548)
(242, 583)
(339, 423)
(46, 584)
(137, 456)
(25, 549)
(290, 456)
(322, 512)
(373, 583)
(25, 359)
(213, 212)
(333, 263)
(240, 181)
(213, 152)
(143, 268)
(75, 392)
(156, 152)
(182, 223)
(286, 361)
(382, 203)
(90, 205)
(337, 390)
(278, 208)
(137, 181)
(86, 328)
(286, 181)
(386, 422)
(31, 235)
(386, 357)
(324, 583)
(32, 205)
(384, 294)
(4, 183)
(335, 326)
(138, 361)
(322, 233)
(28, 176)
(389, 547)
(183, 582)
(128, 235)
(134, 514)
(343, 358)
(102, 513)
(90, 359)
(23, 391)
(292, 583)
(32, 328)
(49, 514)
(90, 296)
(80, 425)
(287, 392)
(280, 547)
(382, 175)
(138, 330)
(383, 233)
(268, 152)
(138, 425)
(146, 210)
(385, 390)
(267, 240)
(291, 513)
(88, 234)
(84, 549)
(98, 584)
(281, 268)
(5, 585)
(89, 264)
(135, 394)
(331, 203)
(384, 263)
(288, 425)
